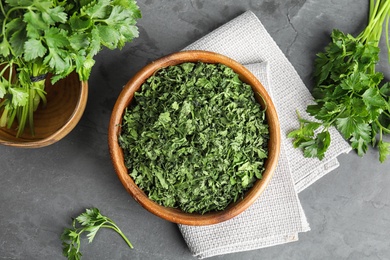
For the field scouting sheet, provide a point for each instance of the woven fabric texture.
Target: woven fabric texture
(277, 216)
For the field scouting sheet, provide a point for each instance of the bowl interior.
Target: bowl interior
(176, 215)
(66, 101)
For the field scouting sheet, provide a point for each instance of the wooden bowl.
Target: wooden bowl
(176, 215)
(66, 101)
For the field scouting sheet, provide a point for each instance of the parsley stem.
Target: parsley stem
(31, 110)
(334, 118)
(386, 113)
(22, 119)
(6, 66)
(387, 37)
(2, 8)
(372, 9)
(4, 116)
(382, 127)
(374, 29)
(116, 228)
(11, 118)
(6, 16)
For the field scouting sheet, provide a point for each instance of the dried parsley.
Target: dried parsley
(194, 137)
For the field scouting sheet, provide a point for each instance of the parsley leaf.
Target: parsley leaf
(19, 96)
(35, 49)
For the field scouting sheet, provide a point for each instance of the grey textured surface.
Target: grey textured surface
(41, 189)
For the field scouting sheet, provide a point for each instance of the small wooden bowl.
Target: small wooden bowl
(66, 101)
(176, 215)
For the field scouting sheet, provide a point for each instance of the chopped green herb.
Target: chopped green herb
(194, 137)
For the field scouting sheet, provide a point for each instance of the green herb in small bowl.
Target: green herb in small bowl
(43, 42)
(194, 137)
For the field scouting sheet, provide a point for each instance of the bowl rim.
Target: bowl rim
(117, 156)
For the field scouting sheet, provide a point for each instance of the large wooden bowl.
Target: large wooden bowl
(66, 101)
(176, 215)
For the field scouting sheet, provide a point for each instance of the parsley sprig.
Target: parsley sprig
(349, 94)
(38, 37)
(90, 221)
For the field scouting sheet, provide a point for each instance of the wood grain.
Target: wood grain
(66, 101)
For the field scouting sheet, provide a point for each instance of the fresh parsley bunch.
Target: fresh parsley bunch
(349, 94)
(40, 37)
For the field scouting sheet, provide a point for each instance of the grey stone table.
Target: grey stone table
(42, 189)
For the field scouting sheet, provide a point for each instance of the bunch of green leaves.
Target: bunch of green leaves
(348, 93)
(195, 138)
(38, 37)
(90, 221)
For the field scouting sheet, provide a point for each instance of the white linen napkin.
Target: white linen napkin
(277, 216)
